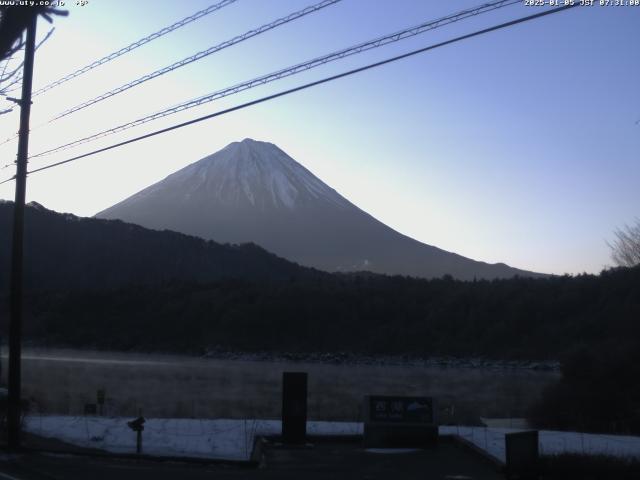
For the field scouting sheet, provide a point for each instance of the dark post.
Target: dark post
(101, 398)
(137, 426)
(294, 407)
(15, 322)
(522, 454)
(139, 442)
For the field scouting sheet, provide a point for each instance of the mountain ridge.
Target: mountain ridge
(63, 251)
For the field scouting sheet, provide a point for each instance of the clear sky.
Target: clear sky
(521, 146)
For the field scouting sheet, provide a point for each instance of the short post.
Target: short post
(100, 397)
(294, 407)
(522, 454)
(137, 426)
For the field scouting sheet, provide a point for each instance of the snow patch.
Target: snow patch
(233, 439)
(551, 442)
(174, 437)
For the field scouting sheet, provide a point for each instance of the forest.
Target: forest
(533, 319)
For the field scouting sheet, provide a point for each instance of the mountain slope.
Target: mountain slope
(254, 192)
(63, 251)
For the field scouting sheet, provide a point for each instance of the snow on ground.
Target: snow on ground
(233, 439)
(176, 437)
(491, 440)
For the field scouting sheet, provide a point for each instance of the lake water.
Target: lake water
(63, 381)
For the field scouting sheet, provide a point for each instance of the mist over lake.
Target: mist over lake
(62, 381)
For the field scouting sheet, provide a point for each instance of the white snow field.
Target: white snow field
(491, 440)
(173, 437)
(233, 439)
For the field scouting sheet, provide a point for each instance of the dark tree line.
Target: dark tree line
(599, 391)
(502, 319)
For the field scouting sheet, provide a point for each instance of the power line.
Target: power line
(286, 72)
(193, 58)
(306, 86)
(198, 56)
(136, 44)
(118, 53)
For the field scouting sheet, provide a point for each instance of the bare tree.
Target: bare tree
(625, 249)
(13, 22)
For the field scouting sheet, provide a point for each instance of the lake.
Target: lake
(62, 381)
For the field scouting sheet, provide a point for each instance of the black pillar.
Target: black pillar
(294, 407)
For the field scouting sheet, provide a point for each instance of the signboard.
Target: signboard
(401, 409)
(398, 422)
(137, 425)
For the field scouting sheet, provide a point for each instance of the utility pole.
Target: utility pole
(15, 322)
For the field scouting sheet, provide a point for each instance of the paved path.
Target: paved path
(325, 459)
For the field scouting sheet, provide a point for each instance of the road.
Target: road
(328, 459)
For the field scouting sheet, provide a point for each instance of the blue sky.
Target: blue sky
(520, 146)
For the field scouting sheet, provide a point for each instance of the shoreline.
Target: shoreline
(74, 354)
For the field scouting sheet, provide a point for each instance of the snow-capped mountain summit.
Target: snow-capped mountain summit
(249, 173)
(252, 191)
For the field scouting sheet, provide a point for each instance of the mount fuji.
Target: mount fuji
(252, 191)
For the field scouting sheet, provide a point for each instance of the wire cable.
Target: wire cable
(186, 61)
(286, 72)
(307, 85)
(198, 56)
(136, 44)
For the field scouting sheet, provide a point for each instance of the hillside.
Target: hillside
(64, 252)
